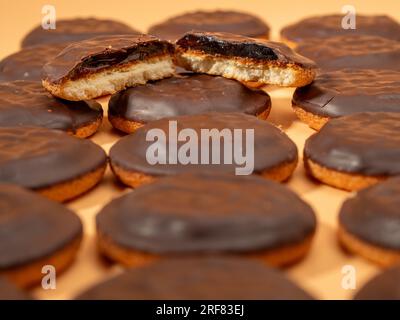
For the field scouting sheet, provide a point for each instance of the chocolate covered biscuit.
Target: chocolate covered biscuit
(27, 103)
(72, 30)
(211, 21)
(205, 214)
(344, 92)
(244, 59)
(50, 162)
(184, 94)
(105, 65)
(35, 232)
(355, 151)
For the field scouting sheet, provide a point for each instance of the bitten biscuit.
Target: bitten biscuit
(184, 94)
(244, 59)
(35, 232)
(50, 162)
(369, 223)
(105, 65)
(355, 151)
(206, 214)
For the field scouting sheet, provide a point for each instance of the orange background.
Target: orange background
(320, 273)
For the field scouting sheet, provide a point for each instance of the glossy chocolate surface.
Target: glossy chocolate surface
(26, 103)
(272, 147)
(72, 30)
(211, 21)
(38, 157)
(189, 214)
(32, 227)
(199, 278)
(364, 143)
(186, 94)
(373, 215)
(348, 91)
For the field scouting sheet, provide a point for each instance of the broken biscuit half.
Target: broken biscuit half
(244, 59)
(104, 65)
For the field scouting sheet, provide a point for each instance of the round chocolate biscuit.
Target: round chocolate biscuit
(344, 92)
(35, 232)
(207, 278)
(72, 30)
(355, 151)
(205, 214)
(326, 26)
(27, 63)
(27, 103)
(211, 21)
(275, 155)
(51, 162)
(185, 94)
(352, 51)
(370, 223)
(384, 286)
(8, 291)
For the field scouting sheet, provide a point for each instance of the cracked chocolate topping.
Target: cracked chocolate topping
(94, 55)
(272, 147)
(186, 94)
(73, 30)
(189, 214)
(26, 103)
(32, 227)
(231, 45)
(207, 278)
(384, 286)
(211, 21)
(373, 215)
(352, 51)
(37, 157)
(348, 91)
(321, 27)
(363, 143)
(27, 63)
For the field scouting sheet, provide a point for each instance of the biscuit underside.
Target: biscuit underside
(31, 274)
(135, 179)
(130, 126)
(113, 79)
(241, 69)
(87, 130)
(314, 121)
(340, 179)
(379, 255)
(279, 257)
(73, 188)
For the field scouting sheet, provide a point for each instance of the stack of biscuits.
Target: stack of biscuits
(191, 230)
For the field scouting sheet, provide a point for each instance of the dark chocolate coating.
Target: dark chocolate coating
(33, 227)
(272, 147)
(373, 215)
(189, 214)
(384, 286)
(27, 63)
(352, 51)
(348, 91)
(186, 94)
(326, 26)
(363, 143)
(199, 279)
(38, 157)
(96, 54)
(231, 45)
(211, 21)
(9, 291)
(72, 30)
(26, 103)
